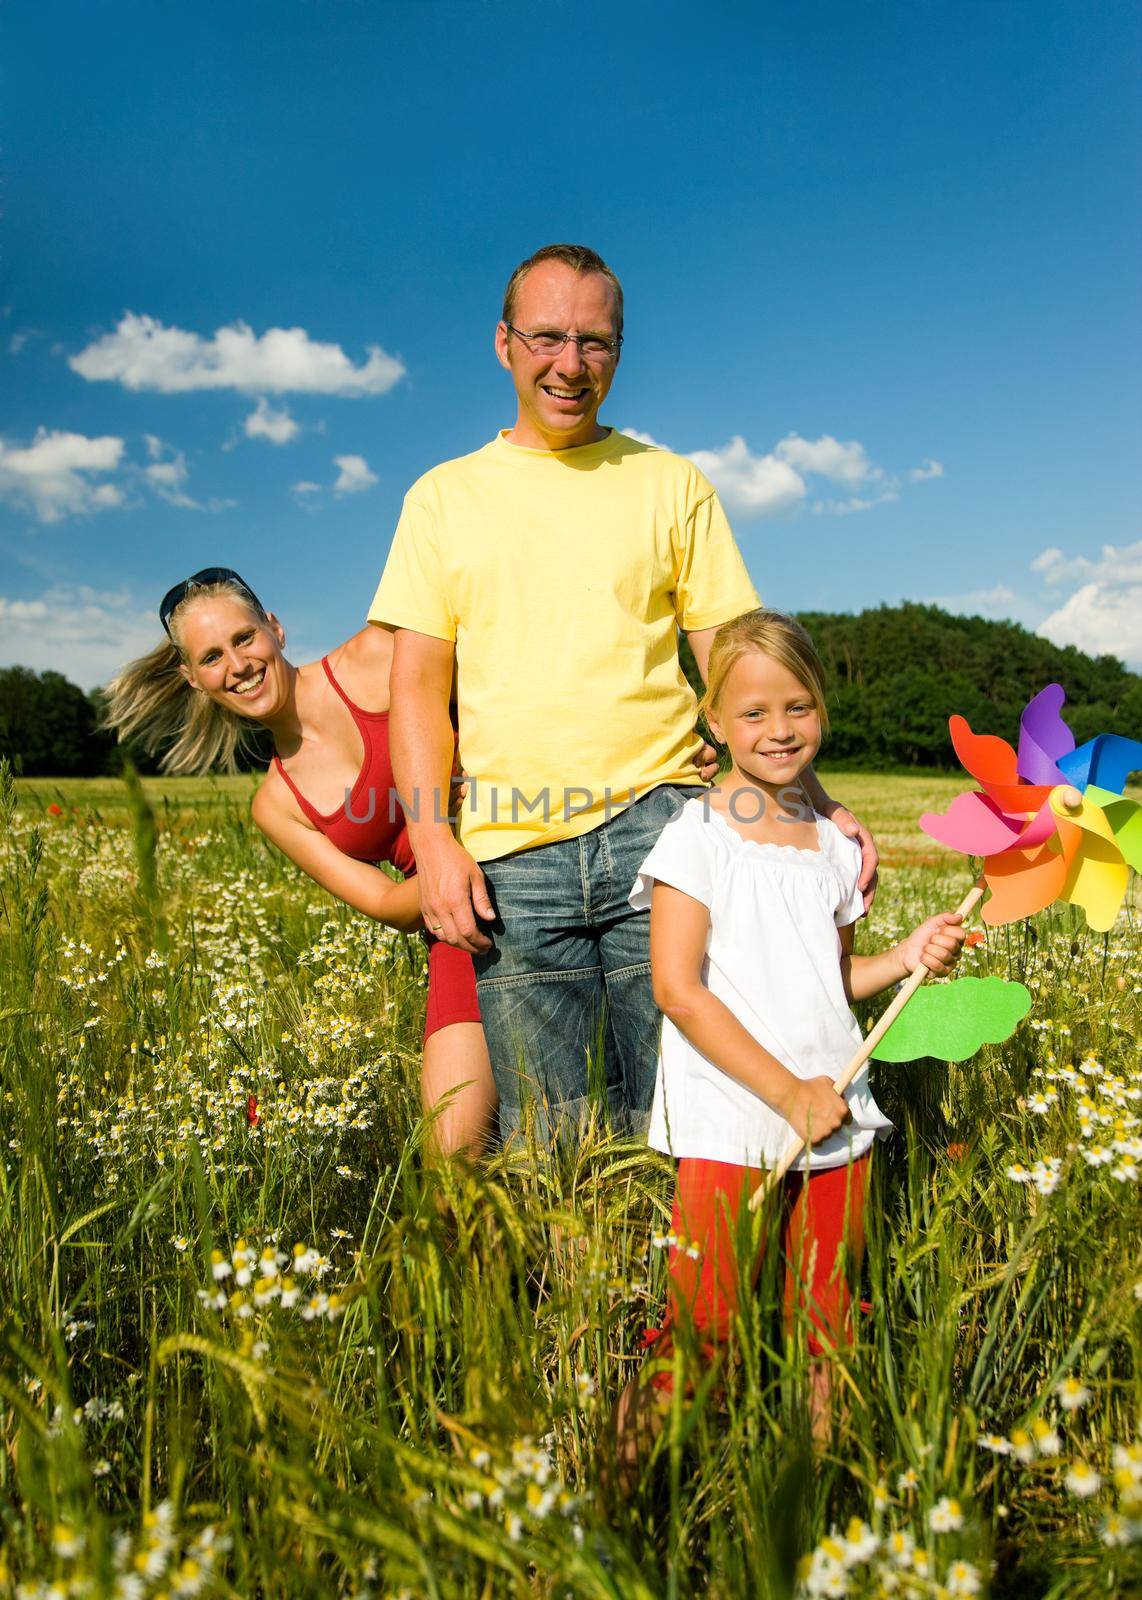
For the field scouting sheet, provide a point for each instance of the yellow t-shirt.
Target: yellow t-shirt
(562, 577)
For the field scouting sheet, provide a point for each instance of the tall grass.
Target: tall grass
(205, 1059)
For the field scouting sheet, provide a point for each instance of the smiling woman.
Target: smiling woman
(328, 801)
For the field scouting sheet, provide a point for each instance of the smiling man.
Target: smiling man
(553, 569)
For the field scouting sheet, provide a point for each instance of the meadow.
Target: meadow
(255, 1344)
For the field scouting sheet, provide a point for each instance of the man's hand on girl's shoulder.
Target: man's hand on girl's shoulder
(853, 828)
(706, 761)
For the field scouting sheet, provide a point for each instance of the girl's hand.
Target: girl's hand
(814, 1109)
(938, 943)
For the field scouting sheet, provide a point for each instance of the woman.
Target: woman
(327, 801)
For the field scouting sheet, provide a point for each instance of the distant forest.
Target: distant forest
(896, 675)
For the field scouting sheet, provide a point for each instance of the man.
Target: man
(553, 569)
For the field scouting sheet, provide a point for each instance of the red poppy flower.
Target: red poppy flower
(252, 1111)
(54, 810)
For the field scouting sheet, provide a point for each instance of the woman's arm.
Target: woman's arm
(364, 887)
(938, 943)
(679, 925)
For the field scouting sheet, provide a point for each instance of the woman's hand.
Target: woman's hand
(938, 943)
(814, 1109)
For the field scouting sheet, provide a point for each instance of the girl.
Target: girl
(753, 898)
(327, 798)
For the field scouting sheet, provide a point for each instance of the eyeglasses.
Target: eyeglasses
(175, 597)
(549, 342)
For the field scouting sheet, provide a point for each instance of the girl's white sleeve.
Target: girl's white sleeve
(851, 905)
(682, 858)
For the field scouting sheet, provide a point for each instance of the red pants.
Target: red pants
(822, 1240)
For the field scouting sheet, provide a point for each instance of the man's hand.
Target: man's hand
(852, 828)
(453, 894)
(706, 761)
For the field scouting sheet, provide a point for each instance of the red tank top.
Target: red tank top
(369, 825)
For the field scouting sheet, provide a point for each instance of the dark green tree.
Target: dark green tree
(48, 725)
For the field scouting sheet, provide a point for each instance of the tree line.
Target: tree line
(896, 674)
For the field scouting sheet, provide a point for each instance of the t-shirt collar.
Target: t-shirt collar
(573, 457)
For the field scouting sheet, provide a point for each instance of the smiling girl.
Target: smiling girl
(753, 899)
(327, 800)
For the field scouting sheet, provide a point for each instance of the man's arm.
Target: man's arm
(700, 641)
(452, 887)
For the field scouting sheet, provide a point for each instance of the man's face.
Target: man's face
(559, 396)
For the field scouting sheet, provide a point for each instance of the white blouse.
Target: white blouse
(773, 957)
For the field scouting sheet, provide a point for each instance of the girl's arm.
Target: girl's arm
(938, 943)
(679, 925)
(366, 888)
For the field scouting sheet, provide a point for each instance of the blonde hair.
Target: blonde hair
(580, 258)
(773, 634)
(149, 701)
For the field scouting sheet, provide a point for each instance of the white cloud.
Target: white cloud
(828, 458)
(167, 475)
(305, 487)
(767, 485)
(85, 634)
(277, 427)
(143, 353)
(53, 475)
(998, 603)
(1115, 565)
(1101, 621)
(930, 469)
(758, 486)
(166, 478)
(1104, 614)
(856, 502)
(355, 476)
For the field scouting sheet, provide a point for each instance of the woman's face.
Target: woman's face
(233, 655)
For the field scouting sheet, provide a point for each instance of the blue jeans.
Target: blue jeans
(565, 990)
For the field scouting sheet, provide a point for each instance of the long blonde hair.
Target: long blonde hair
(149, 701)
(776, 635)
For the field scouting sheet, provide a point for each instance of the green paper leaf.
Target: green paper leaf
(952, 1020)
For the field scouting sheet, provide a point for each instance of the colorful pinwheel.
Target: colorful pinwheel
(1052, 823)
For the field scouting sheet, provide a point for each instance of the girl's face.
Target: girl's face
(768, 719)
(232, 655)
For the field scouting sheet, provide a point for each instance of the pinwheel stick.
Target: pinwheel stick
(772, 1178)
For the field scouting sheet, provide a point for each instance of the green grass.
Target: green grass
(425, 1418)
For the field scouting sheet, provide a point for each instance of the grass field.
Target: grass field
(252, 1345)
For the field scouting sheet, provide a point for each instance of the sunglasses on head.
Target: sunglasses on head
(175, 597)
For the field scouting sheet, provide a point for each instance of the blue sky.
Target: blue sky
(882, 267)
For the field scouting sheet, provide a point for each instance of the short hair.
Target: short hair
(773, 634)
(581, 258)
